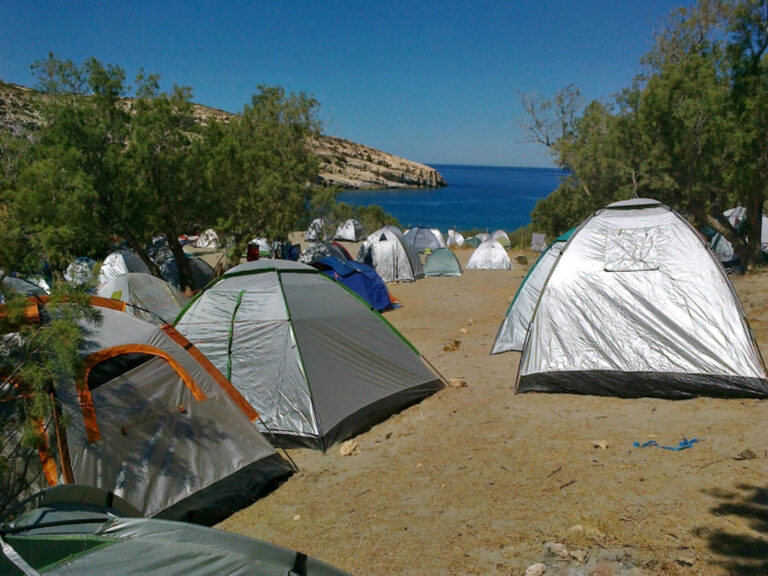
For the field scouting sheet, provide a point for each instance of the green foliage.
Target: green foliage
(259, 168)
(104, 168)
(690, 131)
(372, 217)
(34, 359)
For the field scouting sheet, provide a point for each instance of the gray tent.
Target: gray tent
(317, 231)
(394, 259)
(153, 421)
(321, 250)
(350, 231)
(22, 286)
(314, 360)
(202, 272)
(148, 297)
(442, 262)
(83, 531)
(423, 239)
(637, 305)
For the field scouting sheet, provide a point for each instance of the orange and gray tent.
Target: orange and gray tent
(637, 305)
(311, 357)
(153, 421)
(83, 531)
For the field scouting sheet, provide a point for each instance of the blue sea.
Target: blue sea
(484, 198)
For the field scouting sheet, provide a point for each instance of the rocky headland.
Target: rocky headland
(344, 163)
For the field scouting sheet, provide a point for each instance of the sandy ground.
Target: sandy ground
(478, 480)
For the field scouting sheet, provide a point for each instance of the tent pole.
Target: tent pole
(61, 442)
(288, 456)
(435, 370)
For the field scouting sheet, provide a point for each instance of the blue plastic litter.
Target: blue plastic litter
(682, 445)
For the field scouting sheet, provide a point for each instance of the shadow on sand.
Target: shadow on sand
(740, 553)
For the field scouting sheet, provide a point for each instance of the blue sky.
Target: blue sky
(436, 82)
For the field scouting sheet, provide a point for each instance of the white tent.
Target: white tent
(317, 231)
(454, 239)
(737, 217)
(351, 231)
(490, 255)
(514, 328)
(538, 242)
(439, 236)
(502, 238)
(637, 305)
(394, 259)
(208, 239)
(80, 271)
(119, 263)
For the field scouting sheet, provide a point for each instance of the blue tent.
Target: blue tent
(360, 278)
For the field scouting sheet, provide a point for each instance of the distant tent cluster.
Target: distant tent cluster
(737, 217)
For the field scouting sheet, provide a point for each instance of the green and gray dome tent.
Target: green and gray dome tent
(313, 360)
(637, 305)
(153, 421)
(514, 329)
(83, 531)
(442, 262)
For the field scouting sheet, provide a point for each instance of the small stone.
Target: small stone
(557, 549)
(576, 528)
(348, 448)
(463, 330)
(602, 444)
(457, 382)
(745, 455)
(469, 322)
(579, 555)
(686, 560)
(536, 569)
(522, 260)
(602, 569)
(297, 516)
(452, 347)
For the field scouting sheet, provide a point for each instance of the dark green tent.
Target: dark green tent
(442, 262)
(88, 532)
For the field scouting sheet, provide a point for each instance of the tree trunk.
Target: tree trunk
(182, 262)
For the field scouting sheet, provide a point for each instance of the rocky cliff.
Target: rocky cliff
(343, 163)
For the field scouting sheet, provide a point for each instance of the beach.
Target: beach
(478, 480)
